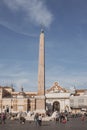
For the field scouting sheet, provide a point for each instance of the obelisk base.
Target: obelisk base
(40, 104)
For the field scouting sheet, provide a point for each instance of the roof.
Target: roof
(81, 90)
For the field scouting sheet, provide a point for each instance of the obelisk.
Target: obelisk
(40, 99)
(41, 65)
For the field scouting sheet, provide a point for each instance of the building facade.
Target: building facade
(57, 98)
(78, 102)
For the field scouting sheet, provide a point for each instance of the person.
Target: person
(0, 119)
(40, 120)
(83, 117)
(62, 117)
(3, 118)
(22, 120)
(57, 118)
(36, 118)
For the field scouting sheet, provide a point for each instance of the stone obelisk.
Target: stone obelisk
(40, 100)
(41, 65)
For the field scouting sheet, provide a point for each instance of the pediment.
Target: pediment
(56, 89)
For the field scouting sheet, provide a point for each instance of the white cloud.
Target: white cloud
(36, 11)
(14, 28)
(16, 75)
(20, 77)
(67, 81)
(66, 78)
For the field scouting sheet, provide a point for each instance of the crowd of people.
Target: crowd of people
(38, 118)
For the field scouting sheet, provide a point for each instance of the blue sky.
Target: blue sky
(65, 26)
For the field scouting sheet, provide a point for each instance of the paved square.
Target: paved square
(72, 124)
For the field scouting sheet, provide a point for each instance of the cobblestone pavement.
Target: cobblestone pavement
(72, 124)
